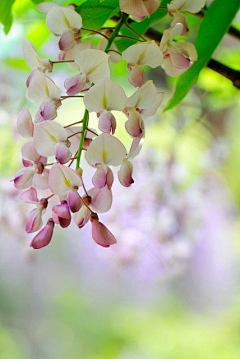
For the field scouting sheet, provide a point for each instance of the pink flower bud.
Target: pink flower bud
(125, 173)
(61, 214)
(43, 237)
(73, 200)
(101, 235)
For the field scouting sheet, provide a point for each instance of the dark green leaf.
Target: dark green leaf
(6, 17)
(211, 30)
(95, 13)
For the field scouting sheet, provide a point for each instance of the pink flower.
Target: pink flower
(101, 235)
(61, 214)
(34, 221)
(64, 182)
(64, 22)
(43, 237)
(139, 8)
(33, 59)
(93, 67)
(177, 56)
(33, 171)
(42, 89)
(103, 98)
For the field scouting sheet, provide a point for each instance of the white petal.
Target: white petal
(105, 95)
(105, 149)
(46, 135)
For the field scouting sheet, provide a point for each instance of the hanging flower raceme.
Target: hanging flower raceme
(147, 53)
(103, 98)
(93, 66)
(33, 59)
(62, 21)
(139, 8)
(178, 56)
(33, 173)
(42, 89)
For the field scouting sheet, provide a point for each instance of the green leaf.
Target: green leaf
(95, 13)
(6, 17)
(211, 30)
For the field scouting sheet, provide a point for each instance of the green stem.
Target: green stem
(84, 128)
(85, 116)
(116, 31)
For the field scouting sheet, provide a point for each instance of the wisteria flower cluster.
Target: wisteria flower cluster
(102, 96)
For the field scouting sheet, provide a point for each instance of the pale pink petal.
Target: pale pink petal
(139, 8)
(101, 234)
(34, 221)
(25, 124)
(60, 19)
(94, 64)
(74, 201)
(192, 6)
(152, 109)
(61, 214)
(188, 49)
(137, 76)
(147, 53)
(66, 41)
(105, 95)
(179, 17)
(46, 135)
(99, 179)
(62, 179)
(143, 97)
(23, 177)
(170, 69)
(62, 153)
(105, 149)
(101, 199)
(33, 59)
(30, 196)
(41, 180)
(71, 54)
(75, 84)
(107, 122)
(43, 237)
(29, 152)
(81, 217)
(125, 173)
(102, 177)
(178, 60)
(41, 88)
(47, 111)
(134, 125)
(136, 146)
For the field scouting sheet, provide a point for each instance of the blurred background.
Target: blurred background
(170, 287)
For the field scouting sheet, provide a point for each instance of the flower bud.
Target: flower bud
(101, 235)
(44, 236)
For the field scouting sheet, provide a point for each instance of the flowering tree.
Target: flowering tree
(132, 40)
